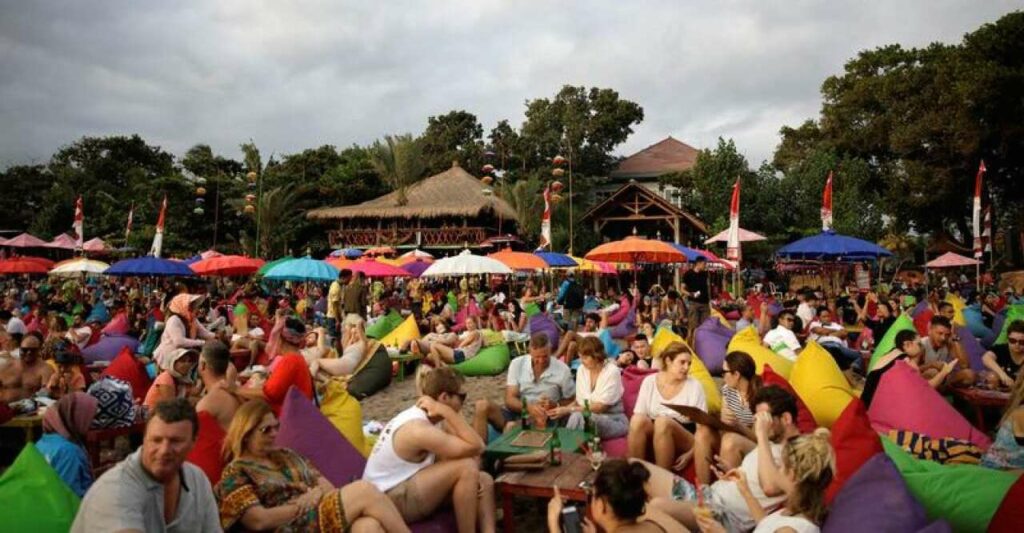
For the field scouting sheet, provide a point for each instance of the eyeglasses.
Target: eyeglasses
(1012, 340)
(272, 428)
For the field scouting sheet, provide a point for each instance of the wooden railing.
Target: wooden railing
(427, 237)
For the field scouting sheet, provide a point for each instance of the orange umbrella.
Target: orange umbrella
(636, 250)
(227, 265)
(21, 265)
(519, 260)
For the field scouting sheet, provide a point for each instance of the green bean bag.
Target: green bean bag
(489, 361)
(387, 324)
(966, 496)
(34, 497)
(1013, 313)
(888, 341)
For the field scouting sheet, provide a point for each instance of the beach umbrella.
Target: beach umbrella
(519, 260)
(95, 244)
(745, 236)
(375, 269)
(21, 265)
(951, 260)
(3, 241)
(402, 261)
(416, 254)
(380, 250)
(78, 266)
(149, 266)
(416, 268)
(227, 265)
(63, 242)
(349, 253)
(636, 250)
(302, 269)
(599, 267)
(466, 264)
(339, 262)
(26, 241)
(267, 266)
(41, 260)
(714, 261)
(831, 246)
(690, 253)
(557, 260)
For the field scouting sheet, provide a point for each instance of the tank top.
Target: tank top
(384, 468)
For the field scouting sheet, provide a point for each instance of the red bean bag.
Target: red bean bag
(1010, 515)
(804, 419)
(206, 454)
(922, 320)
(854, 442)
(129, 369)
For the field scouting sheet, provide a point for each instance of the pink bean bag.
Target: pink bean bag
(627, 327)
(620, 314)
(632, 378)
(712, 343)
(904, 400)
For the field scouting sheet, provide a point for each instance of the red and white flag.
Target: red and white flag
(976, 212)
(78, 224)
(545, 221)
(158, 239)
(986, 234)
(826, 204)
(732, 251)
(128, 227)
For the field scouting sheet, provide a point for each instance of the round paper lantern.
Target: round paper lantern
(488, 168)
(201, 191)
(251, 175)
(558, 172)
(250, 198)
(558, 160)
(250, 209)
(198, 211)
(557, 186)
(487, 180)
(200, 201)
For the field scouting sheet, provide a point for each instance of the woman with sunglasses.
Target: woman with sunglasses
(265, 487)
(741, 385)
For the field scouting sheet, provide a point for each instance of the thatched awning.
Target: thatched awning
(452, 193)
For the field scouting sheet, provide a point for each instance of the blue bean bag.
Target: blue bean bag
(712, 342)
(489, 361)
(611, 348)
(108, 347)
(541, 323)
(976, 321)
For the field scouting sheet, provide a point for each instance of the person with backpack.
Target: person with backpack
(571, 298)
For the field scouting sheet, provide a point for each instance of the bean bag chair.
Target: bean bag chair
(627, 326)
(384, 325)
(491, 337)
(711, 343)
(531, 310)
(971, 347)
(1013, 313)
(150, 342)
(611, 348)
(471, 309)
(748, 341)
(345, 414)
(620, 314)
(888, 341)
(1010, 514)
(130, 370)
(966, 496)
(34, 497)
(855, 442)
(373, 376)
(922, 321)
(109, 347)
(818, 380)
(541, 323)
(665, 337)
(206, 454)
(308, 432)
(406, 331)
(976, 322)
(875, 498)
(489, 361)
(904, 400)
(997, 328)
(632, 378)
(721, 318)
(117, 326)
(804, 419)
(921, 307)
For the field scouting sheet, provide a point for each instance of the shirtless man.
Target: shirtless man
(25, 376)
(213, 369)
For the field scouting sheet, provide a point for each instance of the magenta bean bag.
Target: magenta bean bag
(620, 314)
(632, 378)
(972, 348)
(108, 347)
(711, 343)
(904, 400)
(542, 323)
(309, 433)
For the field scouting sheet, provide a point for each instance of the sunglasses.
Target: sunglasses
(266, 430)
(1018, 341)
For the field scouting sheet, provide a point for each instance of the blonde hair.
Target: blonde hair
(673, 350)
(246, 420)
(591, 347)
(353, 319)
(811, 461)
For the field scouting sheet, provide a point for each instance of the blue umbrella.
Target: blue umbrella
(149, 266)
(347, 253)
(691, 254)
(831, 246)
(557, 260)
(302, 269)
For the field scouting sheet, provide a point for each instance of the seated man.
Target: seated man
(24, 377)
(782, 340)
(775, 423)
(567, 345)
(213, 370)
(941, 347)
(543, 381)
(640, 348)
(832, 336)
(154, 488)
(428, 455)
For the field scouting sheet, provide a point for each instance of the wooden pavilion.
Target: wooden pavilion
(452, 209)
(634, 209)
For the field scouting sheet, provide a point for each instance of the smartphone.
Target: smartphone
(571, 522)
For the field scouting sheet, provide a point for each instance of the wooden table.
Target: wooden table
(501, 448)
(27, 423)
(95, 438)
(574, 470)
(979, 399)
(402, 359)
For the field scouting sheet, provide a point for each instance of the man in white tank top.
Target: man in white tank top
(429, 455)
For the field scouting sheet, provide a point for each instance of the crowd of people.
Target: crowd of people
(222, 356)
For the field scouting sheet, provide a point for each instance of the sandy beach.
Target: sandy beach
(401, 394)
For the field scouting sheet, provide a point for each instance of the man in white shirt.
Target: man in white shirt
(832, 336)
(782, 340)
(774, 424)
(808, 308)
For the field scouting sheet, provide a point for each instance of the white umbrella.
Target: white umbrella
(745, 236)
(76, 267)
(465, 264)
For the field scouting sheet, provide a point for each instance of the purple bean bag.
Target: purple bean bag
(107, 348)
(627, 327)
(921, 307)
(972, 348)
(711, 343)
(542, 323)
(877, 499)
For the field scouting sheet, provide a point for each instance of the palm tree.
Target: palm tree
(525, 196)
(399, 161)
(280, 213)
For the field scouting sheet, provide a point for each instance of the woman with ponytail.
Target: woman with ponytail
(741, 384)
(808, 465)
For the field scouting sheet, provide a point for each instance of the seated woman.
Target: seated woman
(670, 432)
(618, 502)
(438, 333)
(63, 443)
(568, 344)
(808, 466)
(468, 346)
(1007, 451)
(599, 382)
(741, 384)
(69, 377)
(182, 328)
(353, 346)
(176, 379)
(269, 488)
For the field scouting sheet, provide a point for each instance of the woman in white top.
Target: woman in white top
(353, 349)
(808, 465)
(671, 433)
(598, 381)
(182, 329)
(469, 344)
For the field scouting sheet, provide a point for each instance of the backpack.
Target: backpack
(574, 296)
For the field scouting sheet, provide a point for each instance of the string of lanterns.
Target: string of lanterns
(488, 174)
(557, 172)
(200, 196)
(250, 198)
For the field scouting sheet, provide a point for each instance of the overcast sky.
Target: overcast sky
(299, 74)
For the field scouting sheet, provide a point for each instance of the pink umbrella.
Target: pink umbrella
(715, 260)
(373, 269)
(94, 245)
(950, 260)
(26, 241)
(64, 242)
(745, 236)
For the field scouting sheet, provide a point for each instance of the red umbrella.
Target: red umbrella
(26, 241)
(373, 269)
(227, 265)
(22, 265)
(380, 250)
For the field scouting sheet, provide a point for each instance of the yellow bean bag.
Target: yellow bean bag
(406, 331)
(821, 385)
(721, 318)
(749, 342)
(958, 307)
(345, 414)
(662, 339)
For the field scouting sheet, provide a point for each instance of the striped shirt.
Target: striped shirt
(731, 399)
